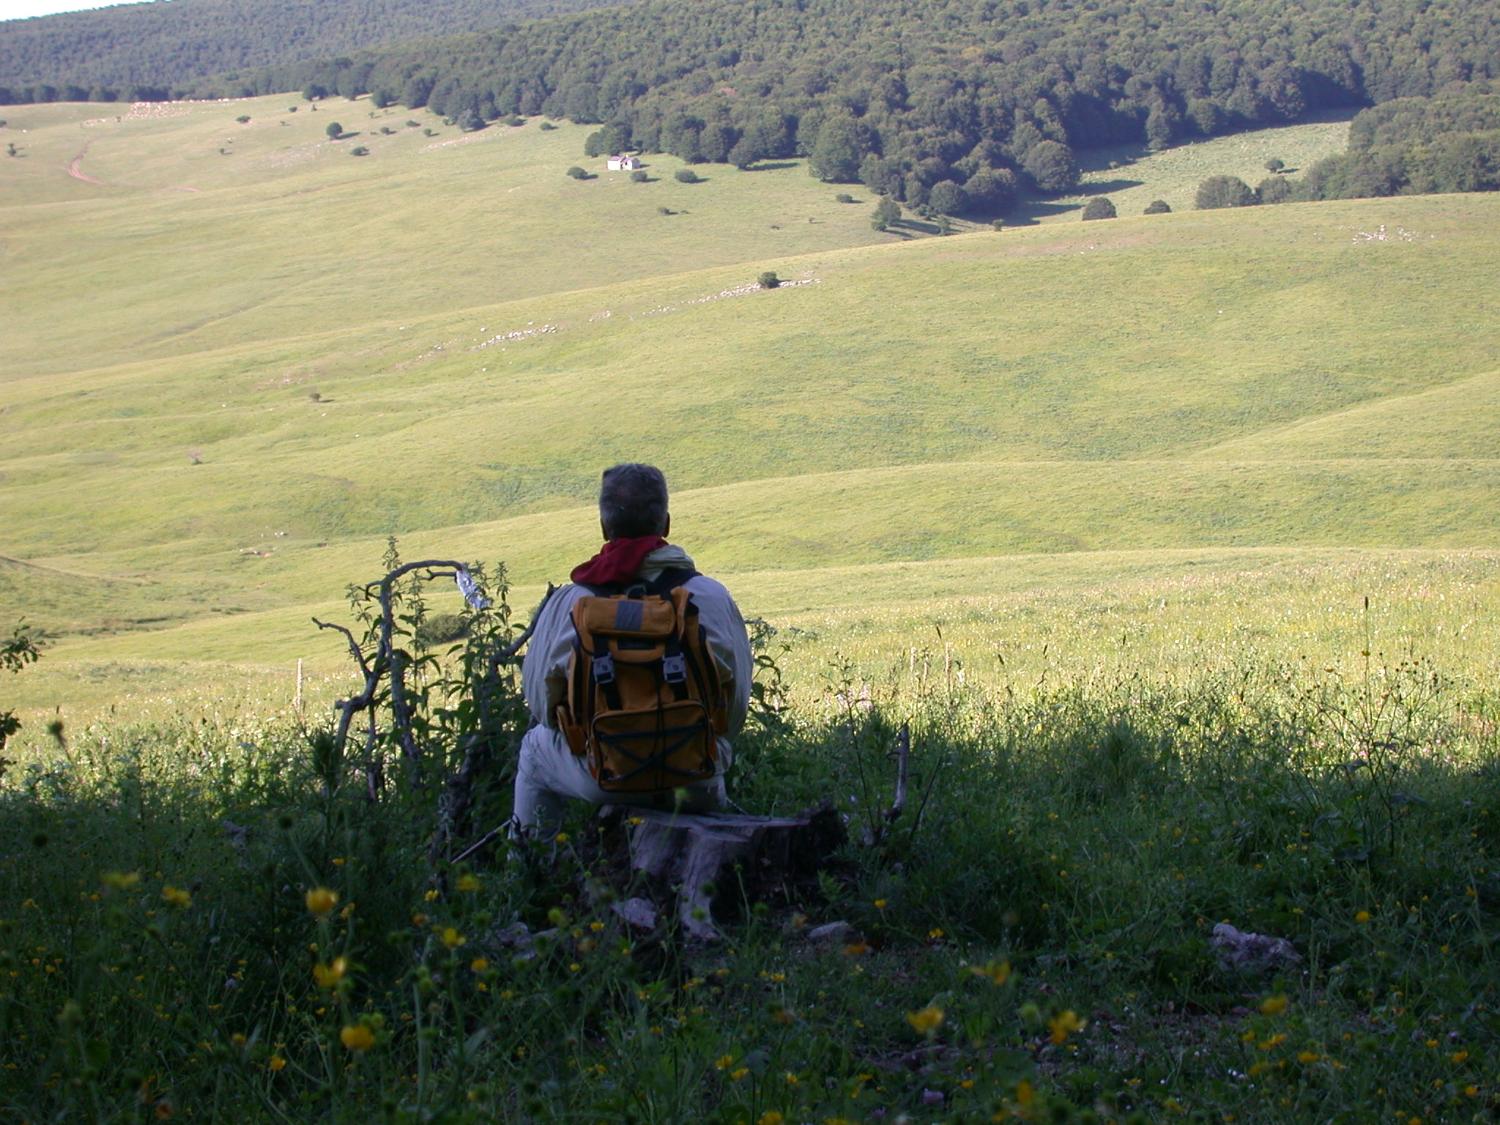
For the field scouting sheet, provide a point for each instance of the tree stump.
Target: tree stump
(696, 855)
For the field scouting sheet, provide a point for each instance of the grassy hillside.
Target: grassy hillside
(224, 399)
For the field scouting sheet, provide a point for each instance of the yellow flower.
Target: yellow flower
(328, 976)
(357, 1037)
(925, 1020)
(321, 901)
(468, 884)
(275, 1063)
(430, 896)
(724, 1062)
(176, 897)
(1275, 1041)
(1273, 1005)
(791, 1079)
(560, 838)
(452, 938)
(479, 964)
(996, 972)
(880, 904)
(238, 1039)
(1362, 917)
(739, 1075)
(121, 880)
(1025, 1095)
(1060, 1026)
(770, 1117)
(935, 934)
(1306, 1057)
(1458, 1056)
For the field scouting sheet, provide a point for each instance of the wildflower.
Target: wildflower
(430, 896)
(925, 1020)
(238, 1039)
(560, 838)
(1060, 1026)
(468, 884)
(792, 1079)
(321, 901)
(1273, 1005)
(770, 1117)
(739, 1075)
(121, 880)
(880, 904)
(1273, 1042)
(1025, 1095)
(177, 897)
(1308, 1057)
(856, 948)
(935, 934)
(1362, 917)
(328, 976)
(724, 1062)
(1458, 1056)
(479, 964)
(275, 1063)
(452, 938)
(357, 1037)
(996, 972)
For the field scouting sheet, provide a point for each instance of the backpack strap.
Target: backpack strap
(663, 584)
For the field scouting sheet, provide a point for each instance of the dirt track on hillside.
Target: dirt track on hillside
(75, 168)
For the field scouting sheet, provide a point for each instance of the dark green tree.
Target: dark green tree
(836, 154)
(1223, 191)
(947, 198)
(1157, 207)
(1274, 189)
(1100, 207)
(1051, 166)
(887, 211)
(334, 130)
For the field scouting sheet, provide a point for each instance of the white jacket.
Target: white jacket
(544, 672)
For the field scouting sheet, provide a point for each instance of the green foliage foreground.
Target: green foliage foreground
(209, 918)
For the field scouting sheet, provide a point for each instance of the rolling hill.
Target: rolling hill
(220, 401)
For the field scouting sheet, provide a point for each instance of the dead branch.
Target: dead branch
(508, 653)
(903, 769)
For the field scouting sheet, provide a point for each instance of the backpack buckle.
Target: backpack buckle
(604, 668)
(674, 668)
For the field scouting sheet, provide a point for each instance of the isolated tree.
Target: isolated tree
(639, 176)
(1274, 165)
(334, 130)
(383, 98)
(1157, 207)
(1051, 166)
(887, 211)
(768, 280)
(1223, 191)
(10, 149)
(578, 173)
(1100, 207)
(469, 121)
(686, 176)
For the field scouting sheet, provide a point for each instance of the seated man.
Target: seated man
(633, 516)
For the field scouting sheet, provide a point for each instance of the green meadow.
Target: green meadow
(1174, 542)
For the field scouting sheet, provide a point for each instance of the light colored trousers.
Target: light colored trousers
(547, 772)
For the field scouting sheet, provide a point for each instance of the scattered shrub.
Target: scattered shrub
(291, 109)
(768, 280)
(334, 130)
(429, 132)
(665, 211)
(998, 224)
(515, 121)
(1157, 207)
(1223, 191)
(243, 119)
(386, 131)
(410, 124)
(639, 176)
(687, 176)
(844, 197)
(1100, 207)
(547, 126)
(359, 150)
(578, 173)
(1275, 165)
(1274, 189)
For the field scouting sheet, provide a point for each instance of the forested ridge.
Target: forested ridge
(956, 104)
(154, 49)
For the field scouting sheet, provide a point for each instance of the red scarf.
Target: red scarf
(618, 561)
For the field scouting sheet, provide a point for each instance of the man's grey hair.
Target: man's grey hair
(633, 501)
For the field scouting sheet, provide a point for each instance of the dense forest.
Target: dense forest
(968, 101)
(149, 50)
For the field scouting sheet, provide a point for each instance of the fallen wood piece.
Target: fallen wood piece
(698, 854)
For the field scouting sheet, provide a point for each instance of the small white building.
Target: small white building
(621, 162)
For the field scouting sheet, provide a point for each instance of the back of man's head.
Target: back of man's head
(633, 501)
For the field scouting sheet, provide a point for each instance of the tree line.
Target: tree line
(969, 100)
(148, 52)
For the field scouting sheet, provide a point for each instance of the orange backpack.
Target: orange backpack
(645, 700)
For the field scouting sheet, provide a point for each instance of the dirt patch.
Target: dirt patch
(75, 168)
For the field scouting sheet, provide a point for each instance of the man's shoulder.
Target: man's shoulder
(701, 585)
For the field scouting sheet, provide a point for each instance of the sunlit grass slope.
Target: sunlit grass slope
(218, 403)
